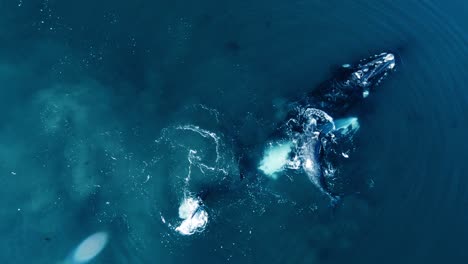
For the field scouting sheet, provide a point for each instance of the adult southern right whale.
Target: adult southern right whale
(318, 135)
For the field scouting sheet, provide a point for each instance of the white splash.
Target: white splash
(275, 159)
(194, 215)
(90, 248)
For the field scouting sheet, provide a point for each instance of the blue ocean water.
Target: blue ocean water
(108, 106)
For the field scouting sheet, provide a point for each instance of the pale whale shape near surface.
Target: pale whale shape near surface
(88, 249)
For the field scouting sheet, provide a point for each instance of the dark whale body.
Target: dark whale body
(350, 86)
(320, 124)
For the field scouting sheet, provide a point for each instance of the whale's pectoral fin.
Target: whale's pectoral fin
(337, 147)
(347, 125)
(339, 143)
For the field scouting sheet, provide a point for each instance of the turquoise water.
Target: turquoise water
(104, 101)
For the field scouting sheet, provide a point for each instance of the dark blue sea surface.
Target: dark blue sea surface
(108, 106)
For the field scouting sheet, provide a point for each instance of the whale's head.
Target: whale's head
(370, 72)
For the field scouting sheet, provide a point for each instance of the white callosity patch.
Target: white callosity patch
(372, 71)
(89, 248)
(275, 159)
(194, 216)
(390, 58)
